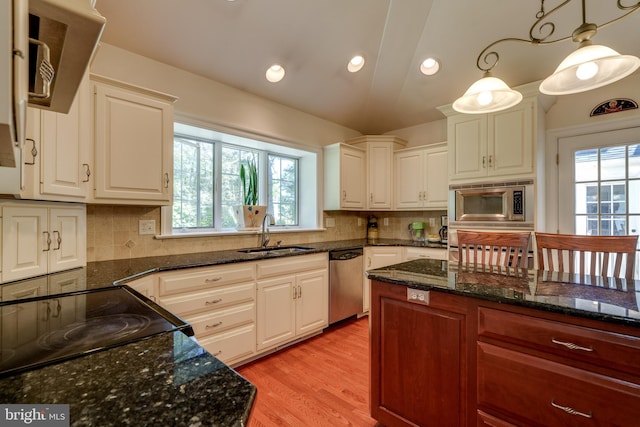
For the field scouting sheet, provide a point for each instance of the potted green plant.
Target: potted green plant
(249, 216)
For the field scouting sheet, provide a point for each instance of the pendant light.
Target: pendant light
(487, 95)
(589, 67)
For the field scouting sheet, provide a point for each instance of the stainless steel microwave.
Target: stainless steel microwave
(507, 203)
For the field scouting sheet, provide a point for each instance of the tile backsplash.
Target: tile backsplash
(112, 232)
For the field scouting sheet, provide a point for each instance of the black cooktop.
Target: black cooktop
(38, 332)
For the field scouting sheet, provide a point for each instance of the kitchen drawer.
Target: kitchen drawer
(222, 319)
(232, 345)
(593, 346)
(288, 265)
(426, 253)
(221, 296)
(486, 420)
(532, 391)
(206, 277)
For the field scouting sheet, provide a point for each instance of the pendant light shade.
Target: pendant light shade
(487, 95)
(589, 67)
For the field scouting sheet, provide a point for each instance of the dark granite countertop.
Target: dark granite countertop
(601, 298)
(102, 274)
(151, 382)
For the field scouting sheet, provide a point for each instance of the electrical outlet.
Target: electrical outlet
(432, 222)
(385, 222)
(359, 222)
(147, 227)
(330, 222)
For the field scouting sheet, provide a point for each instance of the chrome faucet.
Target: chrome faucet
(264, 239)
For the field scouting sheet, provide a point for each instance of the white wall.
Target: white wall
(209, 101)
(424, 134)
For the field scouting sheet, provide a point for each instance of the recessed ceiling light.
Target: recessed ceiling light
(355, 64)
(429, 66)
(275, 73)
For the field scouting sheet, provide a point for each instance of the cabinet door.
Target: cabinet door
(511, 141)
(467, 146)
(312, 301)
(22, 323)
(436, 184)
(276, 311)
(409, 179)
(379, 175)
(65, 166)
(377, 257)
(352, 183)
(24, 243)
(133, 146)
(418, 375)
(67, 227)
(147, 286)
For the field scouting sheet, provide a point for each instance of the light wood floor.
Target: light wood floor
(323, 381)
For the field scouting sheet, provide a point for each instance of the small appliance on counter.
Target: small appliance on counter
(418, 231)
(372, 227)
(444, 230)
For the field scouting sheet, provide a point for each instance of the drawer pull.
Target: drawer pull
(571, 411)
(213, 279)
(217, 353)
(571, 345)
(215, 301)
(215, 325)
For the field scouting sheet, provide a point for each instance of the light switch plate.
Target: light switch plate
(330, 222)
(147, 227)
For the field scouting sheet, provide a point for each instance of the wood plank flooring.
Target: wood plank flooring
(323, 381)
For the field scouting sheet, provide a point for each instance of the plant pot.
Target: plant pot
(249, 217)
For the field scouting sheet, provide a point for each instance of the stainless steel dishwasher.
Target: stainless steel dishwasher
(345, 283)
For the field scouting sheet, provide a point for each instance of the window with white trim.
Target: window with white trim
(207, 185)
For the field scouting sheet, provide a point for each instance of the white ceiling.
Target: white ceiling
(234, 42)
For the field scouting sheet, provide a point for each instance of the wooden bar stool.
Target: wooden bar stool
(506, 249)
(612, 256)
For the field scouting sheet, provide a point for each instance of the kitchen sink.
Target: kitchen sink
(276, 250)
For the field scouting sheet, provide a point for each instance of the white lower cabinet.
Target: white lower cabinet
(377, 257)
(40, 239)
(411, 252)
(293, 298)
(240, 310)
(219, 302)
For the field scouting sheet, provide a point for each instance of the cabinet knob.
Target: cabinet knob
(571, 345)
(58, 240)
(166, 180)
(48, 241)
(87, 172)
(344, 195)
(571, 411)
(34, 152)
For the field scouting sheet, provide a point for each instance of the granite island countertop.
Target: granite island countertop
(151, 382)
(595, 297)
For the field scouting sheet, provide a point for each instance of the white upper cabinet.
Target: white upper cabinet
(496, 146)
(133, 132)
(379, 170)
(42, 238)
(344, 174)
(421, 179)
(57, 158)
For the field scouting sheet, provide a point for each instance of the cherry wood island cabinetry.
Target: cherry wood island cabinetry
(419, 361)
(447, 350)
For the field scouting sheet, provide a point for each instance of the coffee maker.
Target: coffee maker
(372, 227)
(444, 232)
